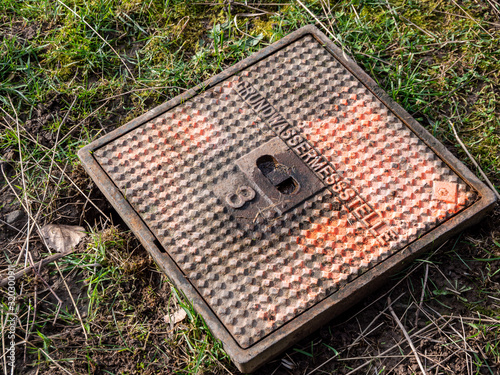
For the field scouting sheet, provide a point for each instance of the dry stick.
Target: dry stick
(464, 339)
(364, 334)
(393, 13)
(47, 355)
(72, 301)
(395, 286)
(104, 40)
(45, 243)
(467, 355)
(414, 350)
(373, 321)
(321, 24)
(40, 264)
(428, 33)
(47, 285)
(492, 187)
(12, 227)
(255, 8)
(53, 196)
(35, 310)
(494, 7)
(4, 323)
(460, 16)
(385, 352)
(82, 193)
(23, 181)
(235, 3)
(480, 319)
(137, 90)
(426, 275)
(9, 127)
(439, 44)
(245, 15)
(27, 325)
(355, 341)
(472, 19)
(431, 319)
(440, 363)
(371, 358)
(328, 14)
(70, 295)
(81, 122)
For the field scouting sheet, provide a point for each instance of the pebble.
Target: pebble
(14, 216)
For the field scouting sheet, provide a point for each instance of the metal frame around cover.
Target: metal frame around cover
(247, 360)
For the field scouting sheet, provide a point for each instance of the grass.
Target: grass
(73, 70)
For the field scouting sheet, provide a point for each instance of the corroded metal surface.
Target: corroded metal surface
(280, 185)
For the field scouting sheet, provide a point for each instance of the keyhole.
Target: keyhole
(278, 174)
(289, 186)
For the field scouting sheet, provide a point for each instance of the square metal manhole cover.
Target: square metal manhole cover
(281, 191)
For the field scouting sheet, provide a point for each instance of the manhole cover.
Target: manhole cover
(276, 194)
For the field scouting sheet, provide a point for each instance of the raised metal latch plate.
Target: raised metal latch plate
(279, 192)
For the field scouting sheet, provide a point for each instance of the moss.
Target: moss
(265, 27)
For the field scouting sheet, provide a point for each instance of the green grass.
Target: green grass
(73, 70)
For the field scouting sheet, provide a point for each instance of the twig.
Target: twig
(235, 3)
(249, 6)
(245, 15)
(143, 89)
(30, 328)
(432, 319)
(460, 16)
(428, 33)
(328, 12)
(363, 334)
(321, 23)
(72, 301)
(373, 321)
(492, 187)
(4, 357)
(426, 275)
(414, 350)
(355, 371)
(23, 179)
(40, 264)
(472, 19)
(81, 192)
(60, 302)
(48, 356)
(381, 356)
(395, 286)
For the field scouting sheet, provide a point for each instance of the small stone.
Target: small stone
(14, 216)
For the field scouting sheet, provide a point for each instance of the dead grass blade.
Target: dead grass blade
(487, 180)
(406, 335)
(471, 18)
(322, 25)
(100, 37)
(48, 356)
(422, 295)
(38, 265)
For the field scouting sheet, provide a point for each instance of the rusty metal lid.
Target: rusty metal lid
(278, 192)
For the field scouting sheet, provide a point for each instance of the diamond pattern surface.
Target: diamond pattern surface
(257, 274)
